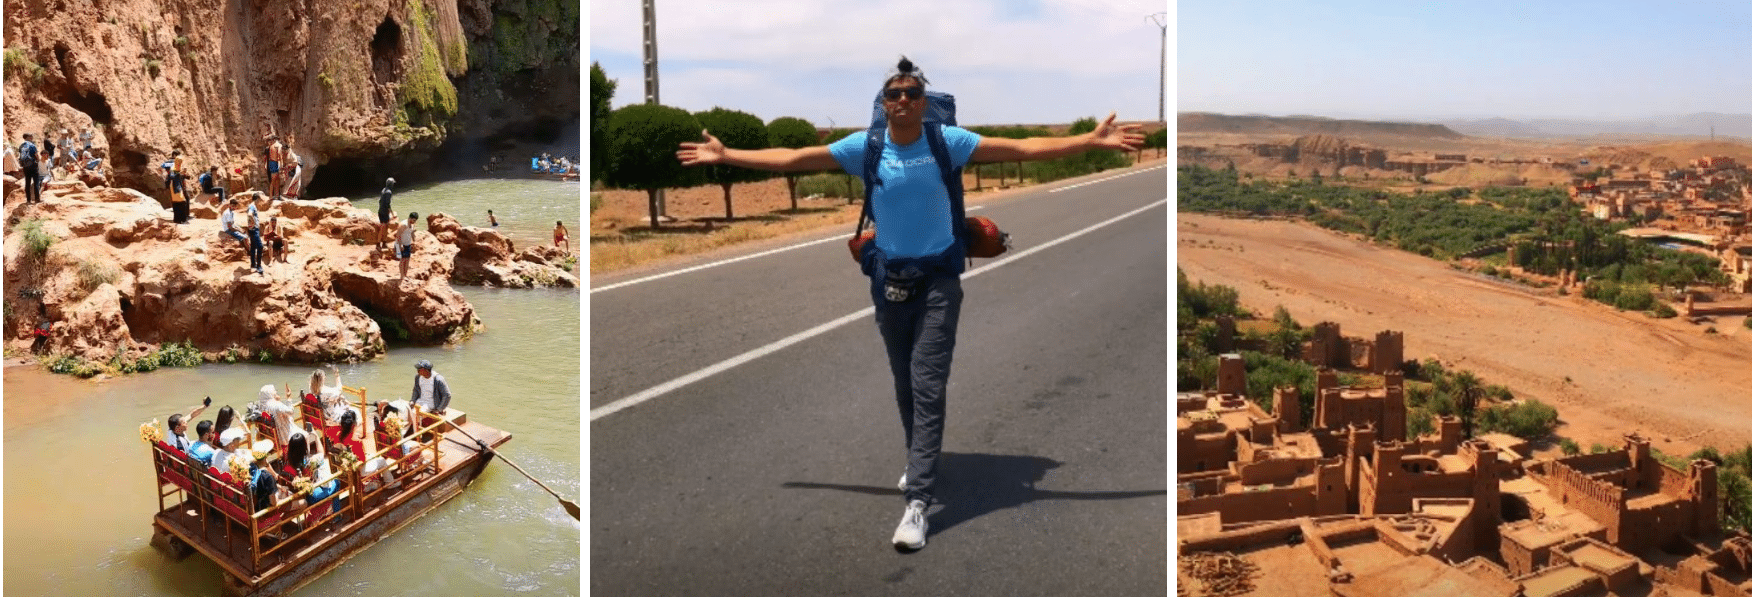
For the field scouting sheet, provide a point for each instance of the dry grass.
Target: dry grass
(621, 237)
(615, 252)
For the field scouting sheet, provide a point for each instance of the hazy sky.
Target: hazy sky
(1006, 61)
(1474, 59)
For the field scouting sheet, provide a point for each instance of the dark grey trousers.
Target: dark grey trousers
(920, 337)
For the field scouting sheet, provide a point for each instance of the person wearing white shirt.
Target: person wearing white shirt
(268, 402)
(229, 443)
(228, 222)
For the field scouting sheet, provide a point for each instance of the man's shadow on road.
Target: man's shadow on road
(973, 485)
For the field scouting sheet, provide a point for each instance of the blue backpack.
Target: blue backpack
(27, 155)
(939, 111)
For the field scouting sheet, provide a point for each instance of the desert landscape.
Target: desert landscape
(1619, 495)
(1608, 372)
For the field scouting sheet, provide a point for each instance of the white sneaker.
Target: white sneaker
(911, 532)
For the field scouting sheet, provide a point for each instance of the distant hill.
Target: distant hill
(1691, 125)
(1207, 122)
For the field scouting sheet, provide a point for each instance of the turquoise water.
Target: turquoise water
(78, 481)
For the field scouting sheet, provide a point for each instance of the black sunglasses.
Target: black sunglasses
(914, 92)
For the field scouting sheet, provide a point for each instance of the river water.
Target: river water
(523, 206)
(79, 485)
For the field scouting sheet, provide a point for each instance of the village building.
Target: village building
(1344, 504)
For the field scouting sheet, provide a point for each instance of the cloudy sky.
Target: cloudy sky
(1006, 61)
(1601, 59)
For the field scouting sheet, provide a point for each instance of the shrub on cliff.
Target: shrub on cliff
(18, 63)
(642, 141)
(738, 130)
(786, 131)
(36, 240)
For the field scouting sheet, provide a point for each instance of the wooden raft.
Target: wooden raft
(264, 554)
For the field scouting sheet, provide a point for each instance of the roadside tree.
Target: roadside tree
(794, 133)
(601, 92)
(738, 130)
(641, 150)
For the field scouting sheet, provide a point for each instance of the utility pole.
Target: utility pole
(1162, 82)
(650, 7)
(650, 51)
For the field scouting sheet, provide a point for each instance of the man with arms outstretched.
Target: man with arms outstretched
(915, 247)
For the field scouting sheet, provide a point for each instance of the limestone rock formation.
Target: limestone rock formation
(364, 82)
(486, 257)
(113, 276)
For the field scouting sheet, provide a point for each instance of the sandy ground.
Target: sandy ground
(1607, 372)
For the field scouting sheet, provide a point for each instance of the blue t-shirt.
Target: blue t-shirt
(912, 205)
(201, 452)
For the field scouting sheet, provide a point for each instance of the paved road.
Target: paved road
(776, 476)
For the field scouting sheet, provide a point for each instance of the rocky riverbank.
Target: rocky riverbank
(111, 280)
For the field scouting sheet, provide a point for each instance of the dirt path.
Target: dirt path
(1607, 372)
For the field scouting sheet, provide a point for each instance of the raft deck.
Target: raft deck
(309, 553)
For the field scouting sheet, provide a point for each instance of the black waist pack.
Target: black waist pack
(904, 285)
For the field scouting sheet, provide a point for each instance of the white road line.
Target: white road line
(685, 380)
(1090, 182)
(725, 261)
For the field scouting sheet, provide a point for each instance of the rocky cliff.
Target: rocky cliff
(369, 85)
(113, 280)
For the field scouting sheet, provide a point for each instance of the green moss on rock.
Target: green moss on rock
(426, 88)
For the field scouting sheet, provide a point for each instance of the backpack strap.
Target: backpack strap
(874, 140)
(951, 183)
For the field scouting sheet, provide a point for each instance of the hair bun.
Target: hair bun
(906, 66)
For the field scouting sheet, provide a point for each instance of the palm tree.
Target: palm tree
(1467, 390)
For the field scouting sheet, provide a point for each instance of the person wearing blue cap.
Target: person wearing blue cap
(431, 394)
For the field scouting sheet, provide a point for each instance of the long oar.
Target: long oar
(571, 508)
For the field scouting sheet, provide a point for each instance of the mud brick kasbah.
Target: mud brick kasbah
(1349, 503)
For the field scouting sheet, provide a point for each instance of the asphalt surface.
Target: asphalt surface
(777, 476)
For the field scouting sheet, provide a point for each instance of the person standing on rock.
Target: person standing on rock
(67, 153)
(404, 243)
(179, 197)
(275, 154)
(383, 212)
(431, 394)
(46, 168)
(916, 261)
(560, 237)
(28, 155)
(255, 238)
(294, 175)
